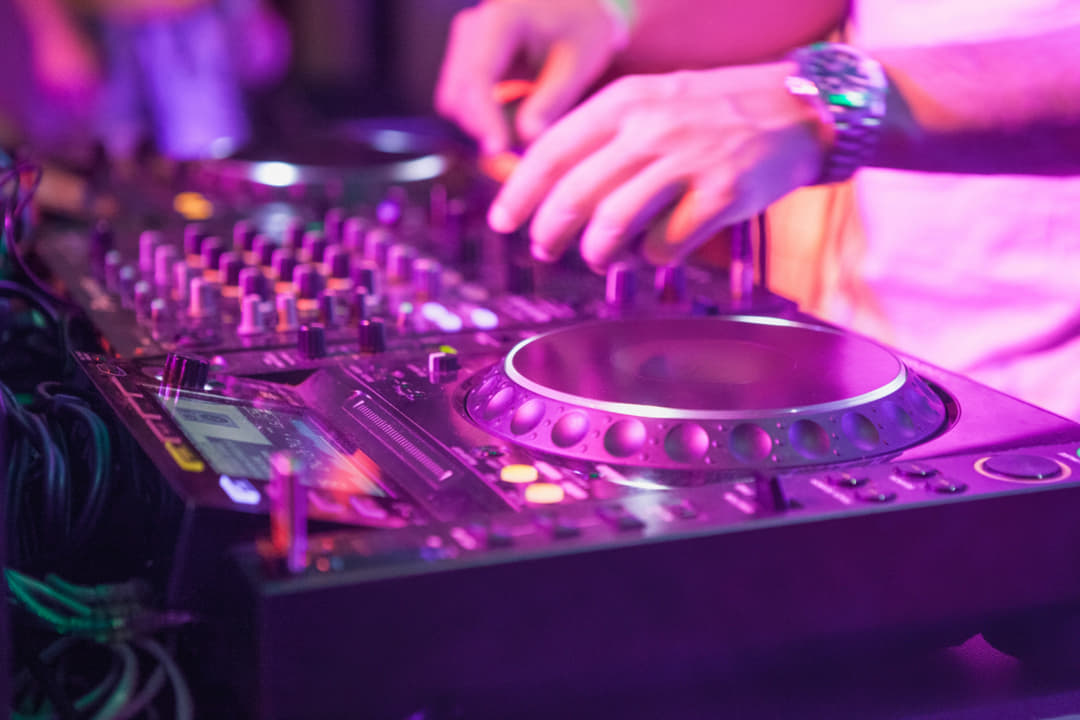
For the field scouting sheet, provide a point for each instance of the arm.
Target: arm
(570, 44)
(721, 145)
(1010, 106)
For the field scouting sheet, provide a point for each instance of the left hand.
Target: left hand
(720, 144)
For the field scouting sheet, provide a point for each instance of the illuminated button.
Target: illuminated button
(945, 485)
(617, 517)
(874, 494)
(916, 470)
(544, 493)
(519, 474)
(1023, 467)
(239, 490)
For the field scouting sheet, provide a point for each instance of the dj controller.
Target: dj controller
(404, 461)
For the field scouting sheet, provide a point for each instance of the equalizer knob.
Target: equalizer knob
(204, 298)
(293, 237)
(376, 244)
(283, 265)
(184, 372)
(229, 266)
(314, 246)
(332, 224)
(620, 289)
(251, 316)
(149, 241)
(427, 278)
(252, 282)
(194, 234)
(262, 250)
(243, 236)
(287, 314)
(311, 341)
(212, 250)
(354, 232)
(399, 263)
(307, 281)
(164, 257)
(371, 336)
(670, 284)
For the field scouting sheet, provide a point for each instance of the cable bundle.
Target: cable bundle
(116, 619)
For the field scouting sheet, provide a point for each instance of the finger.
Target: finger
(483, 42)
(570, 68)
(630, 208)
(579, 134)
(698, 216)
(574, 198)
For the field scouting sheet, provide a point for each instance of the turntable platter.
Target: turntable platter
(717, 393)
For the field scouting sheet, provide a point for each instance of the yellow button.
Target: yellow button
(543, 493)
(519, 474)
(185, 457)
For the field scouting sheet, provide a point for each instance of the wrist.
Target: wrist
(848, 90)
(624, 14)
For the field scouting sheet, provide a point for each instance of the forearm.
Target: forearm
(1011, 106)
(682, 34)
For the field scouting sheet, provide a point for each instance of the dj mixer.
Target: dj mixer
(488, 475)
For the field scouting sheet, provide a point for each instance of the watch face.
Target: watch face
(846, 79)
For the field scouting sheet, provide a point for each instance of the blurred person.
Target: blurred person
(170, 71)
(965, 238)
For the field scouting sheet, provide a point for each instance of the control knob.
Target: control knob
(184, 372)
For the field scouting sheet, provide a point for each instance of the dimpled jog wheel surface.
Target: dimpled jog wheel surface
(716, 393)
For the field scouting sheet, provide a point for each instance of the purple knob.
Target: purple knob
(314, 246)
(212, 249)
(363, 274)
(149, 241)
(307, 280)
(328, 311)
(359, 303)
(194, 234)
(621, 285)
(283, 264)
(113, 262)
(371, 336)
(336, 260)
(264, 248)
(376, 244)
(311, 341)
(229, 266)
(164, 257)
(354, 232)
(670, 284)
(427, 278)
(183, 274)
(143, 295)
(399, 263)
(332, 224)
(243, 236)
(251, 319)
(251, 282)
(293, 237)
(184, 372)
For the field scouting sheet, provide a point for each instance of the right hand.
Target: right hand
(572, 41)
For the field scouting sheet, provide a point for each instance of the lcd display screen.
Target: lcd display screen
(238, 439)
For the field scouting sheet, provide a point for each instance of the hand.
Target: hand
(720, 145)
(574, 40)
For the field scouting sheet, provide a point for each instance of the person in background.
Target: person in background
(169, 71)
(960, 121)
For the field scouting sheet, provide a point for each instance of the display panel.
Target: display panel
(238, 439)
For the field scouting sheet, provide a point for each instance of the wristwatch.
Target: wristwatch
(848, 87)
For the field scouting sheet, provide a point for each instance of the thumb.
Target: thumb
(571, 67)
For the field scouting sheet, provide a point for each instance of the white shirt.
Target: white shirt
(977, 274)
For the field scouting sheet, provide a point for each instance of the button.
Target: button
(1023, 467)
(618, 517)
(558, 526)
(681, 511)
(916, 470)
(519, 474)
(620, 287)
(496, 535)
(945, 485)
(873, 494)
(544, 493)
(846, 480)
